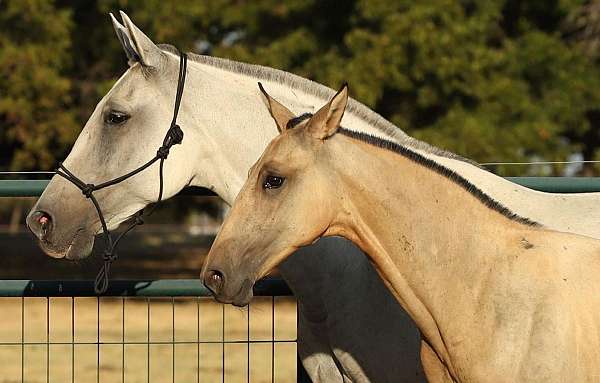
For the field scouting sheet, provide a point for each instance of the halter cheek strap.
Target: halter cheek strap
(174, 136)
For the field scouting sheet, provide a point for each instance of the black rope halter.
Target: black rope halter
(174, 136)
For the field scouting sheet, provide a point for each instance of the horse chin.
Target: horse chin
(241, 299)
(79, 248)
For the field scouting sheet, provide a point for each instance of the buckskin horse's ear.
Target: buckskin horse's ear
(327, 120)
(137, 46)
(280, 113)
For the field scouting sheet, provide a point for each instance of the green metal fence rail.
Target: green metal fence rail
(34, 188)
(559, 184)
(128, 288)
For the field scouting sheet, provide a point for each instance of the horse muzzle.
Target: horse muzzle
(227, 291)
(54, 242)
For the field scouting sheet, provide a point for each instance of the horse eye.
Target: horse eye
(115, 118)
(273, 182)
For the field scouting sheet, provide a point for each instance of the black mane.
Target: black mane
(297, 120)
(429, 163)
(440, 169)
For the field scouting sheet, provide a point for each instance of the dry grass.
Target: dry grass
(185, 320)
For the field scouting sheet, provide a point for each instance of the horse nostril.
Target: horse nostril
(40, 224)
(45, 224)
(213, 280)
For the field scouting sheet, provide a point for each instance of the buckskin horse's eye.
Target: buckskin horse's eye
(273, 182)
(114, 118)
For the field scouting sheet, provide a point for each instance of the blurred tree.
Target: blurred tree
(583, 27)
(496, 80)
(36, 119)
(490, 80)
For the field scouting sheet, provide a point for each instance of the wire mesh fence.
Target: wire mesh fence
(142, 331)
(158, 331)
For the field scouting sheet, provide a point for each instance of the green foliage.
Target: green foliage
(490, 80)
(495, 80)
(35, 117)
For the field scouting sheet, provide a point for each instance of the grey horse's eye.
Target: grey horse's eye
(114, 118)
(273, 182)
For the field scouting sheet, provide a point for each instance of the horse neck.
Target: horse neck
(232, 125)
(429, 238)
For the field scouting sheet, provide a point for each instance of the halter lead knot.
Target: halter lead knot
(139, 220)
(109, 256)
(163, 152)
(174, 137)
(87, 190)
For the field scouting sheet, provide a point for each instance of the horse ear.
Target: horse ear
(125, 40)
(137, 46)
(280, 113)
(327, 120)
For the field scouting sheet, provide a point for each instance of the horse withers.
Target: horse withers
(495, 295)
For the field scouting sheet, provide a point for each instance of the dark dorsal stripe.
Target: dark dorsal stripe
(440, 169)
(429, 163)
(297, 120)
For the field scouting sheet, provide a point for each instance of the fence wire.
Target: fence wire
(147, 339)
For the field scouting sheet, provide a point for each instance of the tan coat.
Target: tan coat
(496, 298)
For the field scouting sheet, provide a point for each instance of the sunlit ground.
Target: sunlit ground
(66, 350)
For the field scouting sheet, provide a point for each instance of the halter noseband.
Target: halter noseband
(174, 136)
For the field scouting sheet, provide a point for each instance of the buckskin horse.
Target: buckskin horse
(496, 296)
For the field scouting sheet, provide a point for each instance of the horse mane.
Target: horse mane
(404, 145)
(322, 92)
(440, 169)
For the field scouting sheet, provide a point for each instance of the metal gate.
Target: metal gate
(144, 331)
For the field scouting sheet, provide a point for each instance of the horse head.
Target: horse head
(124, 132)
